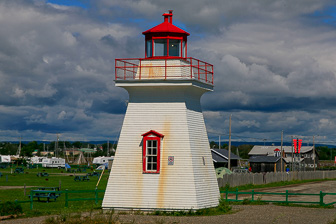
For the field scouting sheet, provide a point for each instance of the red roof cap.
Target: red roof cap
(276, 149)
(167, 26)
(154, 133)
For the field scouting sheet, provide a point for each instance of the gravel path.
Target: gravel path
(251, 214)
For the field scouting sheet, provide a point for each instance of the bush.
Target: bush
(10, 208)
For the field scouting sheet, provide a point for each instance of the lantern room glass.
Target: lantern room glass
(174, 48)
(149, 48)
(160, 47)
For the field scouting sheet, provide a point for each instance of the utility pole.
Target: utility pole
(292, 155)
(108, 148)
(281, 168)
(229, 162)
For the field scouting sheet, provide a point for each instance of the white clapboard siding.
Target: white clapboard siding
(190, 183)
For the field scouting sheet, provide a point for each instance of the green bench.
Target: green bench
(81, 178)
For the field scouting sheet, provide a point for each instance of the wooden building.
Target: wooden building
(163, 159)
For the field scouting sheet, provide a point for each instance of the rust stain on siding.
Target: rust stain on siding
(163, 169)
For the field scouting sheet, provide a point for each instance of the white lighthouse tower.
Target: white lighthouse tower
(163, 159)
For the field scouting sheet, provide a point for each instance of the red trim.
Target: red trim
(128, 68)
(157, 137)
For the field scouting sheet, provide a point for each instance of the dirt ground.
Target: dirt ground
(252, 214)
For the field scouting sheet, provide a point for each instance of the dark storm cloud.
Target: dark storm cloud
(274, 65)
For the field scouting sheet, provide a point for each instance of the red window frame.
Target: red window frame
(154, 136)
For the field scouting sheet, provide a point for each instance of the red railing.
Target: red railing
(163, 68)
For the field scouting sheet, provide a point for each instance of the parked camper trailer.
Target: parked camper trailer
(5, 159)
(37, 160)
(102, 159)
(53, 162)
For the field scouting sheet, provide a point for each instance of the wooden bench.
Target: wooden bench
(47, 193)
(81, 178)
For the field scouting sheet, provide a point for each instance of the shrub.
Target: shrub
(10, 208)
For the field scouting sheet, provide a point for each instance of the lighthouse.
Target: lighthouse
(163, 159)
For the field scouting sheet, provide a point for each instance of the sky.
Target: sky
(274, 66)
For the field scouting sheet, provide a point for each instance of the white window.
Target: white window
(151, 155)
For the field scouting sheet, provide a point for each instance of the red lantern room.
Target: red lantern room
(166, 39)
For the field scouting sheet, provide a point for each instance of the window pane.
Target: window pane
(154, 152)
(149, 166)
(154, 143)
(174, 47)
(149, 143)
(160, 47)
(149, 159)
(154, 166)
(183, 49)
(155, 159)
(149, 48)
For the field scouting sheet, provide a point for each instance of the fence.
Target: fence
(320, 197)
(185, 68)
(238, 179)
(96, 197)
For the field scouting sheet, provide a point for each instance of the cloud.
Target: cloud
(274, 64)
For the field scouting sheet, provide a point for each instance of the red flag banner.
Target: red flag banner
(295, 145)
(299, 144)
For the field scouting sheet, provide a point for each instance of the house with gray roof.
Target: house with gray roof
(266, 164)
(304, 159)
(220, 157)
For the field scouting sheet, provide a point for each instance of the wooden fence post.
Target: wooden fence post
(253, 195)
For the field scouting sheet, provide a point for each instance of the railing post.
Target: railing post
(124, 70)
(66, 198)
(31, 199)
(191, 68)
(253, 195)
(206, 73)
(321, 198)
(198, 70)
(237, 194)
(287, 197)
(140, 69)
(166, 68)
(115, 73)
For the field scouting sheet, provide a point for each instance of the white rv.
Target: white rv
(53, 162)
(102, 159)
(5, 159)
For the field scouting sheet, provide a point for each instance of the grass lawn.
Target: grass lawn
(56, 178)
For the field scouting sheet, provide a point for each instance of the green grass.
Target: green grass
(55, 179)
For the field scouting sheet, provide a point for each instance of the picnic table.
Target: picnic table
(81, 178)
(42, 174)
(19, 170)
(45, 192)
(93, 174)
